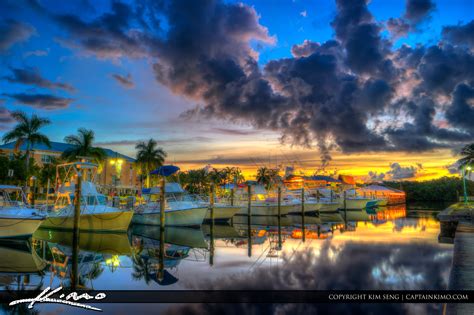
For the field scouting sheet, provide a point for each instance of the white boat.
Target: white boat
(356, 203)
(222, 212)
(16, 218)
(178, 212)
(95, 214)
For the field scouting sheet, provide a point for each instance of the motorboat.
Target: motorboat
(95, 213)
(264, 204)
(17, 218)
(178, 210)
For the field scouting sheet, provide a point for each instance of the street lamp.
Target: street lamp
(467, 169)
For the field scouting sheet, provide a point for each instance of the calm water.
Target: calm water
(391, 248)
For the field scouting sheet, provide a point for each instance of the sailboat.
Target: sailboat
(17, 219)
(95, 214)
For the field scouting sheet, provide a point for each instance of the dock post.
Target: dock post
(249, 220)
(232, 196)
(32, 189)
(76, 231)
(211, 206)
(345, 211)
(302, 215)
(161, 256)
(279, 218)
(77, 201)
(162, 203)
(332, 193)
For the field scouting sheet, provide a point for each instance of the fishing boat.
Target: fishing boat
(222, 212)
(95, 214)
(178, 210)
(262, 204)
(17, 219)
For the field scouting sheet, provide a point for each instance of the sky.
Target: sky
(378, 89)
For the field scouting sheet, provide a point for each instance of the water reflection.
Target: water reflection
(343, 250)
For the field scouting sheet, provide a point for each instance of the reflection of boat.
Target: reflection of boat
(16, 219)
(96, 215)
(17, 257)
(239, 221)
(355, 215)
(221, 231)
(173, 235)
(296, 219)
(178, 210)
(331, 217)
(105, 243)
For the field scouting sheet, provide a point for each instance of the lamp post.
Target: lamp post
(467, 169)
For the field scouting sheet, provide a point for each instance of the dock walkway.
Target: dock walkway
(462, 270)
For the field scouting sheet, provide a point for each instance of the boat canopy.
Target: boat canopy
(172, 188)
(9, 187)
(88, 188)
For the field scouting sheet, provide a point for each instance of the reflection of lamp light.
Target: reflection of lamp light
(113, 262)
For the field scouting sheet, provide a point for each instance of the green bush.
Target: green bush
(441, 189)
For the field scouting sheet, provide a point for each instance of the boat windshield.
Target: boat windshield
(12, 198)
(92, 200)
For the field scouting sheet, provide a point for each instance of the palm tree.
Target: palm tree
(82, 145)
(27, 131)
(267, 176)
(149, 157)
(468, 156)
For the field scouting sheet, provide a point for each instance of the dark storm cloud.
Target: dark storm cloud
(353, 93)
(12, 32)
(5, 117)
(41, 101)
(32, 76)
(125, 81)
(349, 267)
(461, 111)
(416, 11)
(401, 172)
(460, 34)
(233, 132)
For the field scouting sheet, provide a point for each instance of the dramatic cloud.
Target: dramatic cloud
(12, 32)
(352, 93)
(376, 177)
(42, 101)
(460, 34)
(232, 132)
(416, 11)
(399, 172)
(305, 49)
(32, 76)
(125, 81)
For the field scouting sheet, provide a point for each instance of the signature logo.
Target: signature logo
(71, 299)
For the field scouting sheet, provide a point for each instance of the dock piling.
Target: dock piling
(279, 219)
(302, 215)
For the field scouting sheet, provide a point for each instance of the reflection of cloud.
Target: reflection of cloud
(348, 267)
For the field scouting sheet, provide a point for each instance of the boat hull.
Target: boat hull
(18, 227)
(103, 222)
(270, 209)
(357, 204)
(308, 207)
(330, 207)
(222, 213)
(182, 217)
(382, 202)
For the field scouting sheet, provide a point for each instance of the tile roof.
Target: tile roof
(61, 147)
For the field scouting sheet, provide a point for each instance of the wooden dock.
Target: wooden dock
(462, 270)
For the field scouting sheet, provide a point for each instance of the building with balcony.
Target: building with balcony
(117, 172)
